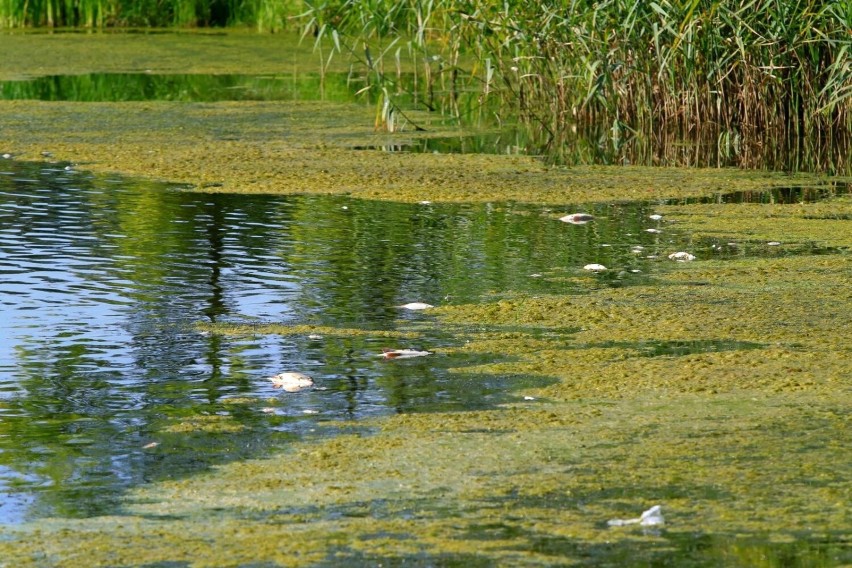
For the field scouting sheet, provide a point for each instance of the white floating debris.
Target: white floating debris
(291, 381)
(577, 218)
(655, 231)
(416, 306)
(773, 243)
(7, 156)
(651, 517)
(655, 217)
(536, 275)
(425, 202)
(315, 336)
(403, 353)
(637, 249)
(150, 445)
(267, 410)
(595, 267)
(310, 411)
(681, 256)
(635, 271)
(529, 398)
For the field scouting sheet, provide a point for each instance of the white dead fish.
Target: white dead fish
(403, 353)
(773, 243)
(655, 217)
(577, 218)
(291, 381)
(595, 267)
(681, 256)
(416, 306)
(654, 231)
(651, 517)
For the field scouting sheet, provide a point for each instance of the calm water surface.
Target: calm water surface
(103, 281)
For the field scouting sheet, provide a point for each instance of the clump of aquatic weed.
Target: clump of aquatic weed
(305, 330)
(748, 326)
(287, 148)
(432, 484)
(823, 222)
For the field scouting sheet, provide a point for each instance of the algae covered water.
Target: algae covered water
(106, 280)
(119, 389)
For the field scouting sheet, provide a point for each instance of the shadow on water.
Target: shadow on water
(106, 383)
(775, 196)
(673, 549)
(118, 87)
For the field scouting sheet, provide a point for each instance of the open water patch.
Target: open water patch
(106, 381)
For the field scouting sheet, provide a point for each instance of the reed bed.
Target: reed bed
(688, 82)
(755, 84)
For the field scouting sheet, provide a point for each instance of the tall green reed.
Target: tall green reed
(763, 83)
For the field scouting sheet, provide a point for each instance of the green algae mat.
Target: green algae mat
(718, 388)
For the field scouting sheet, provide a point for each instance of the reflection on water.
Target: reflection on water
(103, 280)
(115, 87)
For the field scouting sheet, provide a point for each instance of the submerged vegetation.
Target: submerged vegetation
(765, 85)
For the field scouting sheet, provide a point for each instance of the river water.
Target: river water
(104, 282)
(108, 379)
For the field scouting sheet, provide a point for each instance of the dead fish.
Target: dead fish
(681, 256)
(577, 218)
(416, 306)
(595, 267)
(403, 353)
(291, 381)
(651, 517)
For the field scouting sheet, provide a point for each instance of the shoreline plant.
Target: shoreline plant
(692, 82)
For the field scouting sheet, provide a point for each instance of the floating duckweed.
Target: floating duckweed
(614, 428)
(303, 330)
(205, 423)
